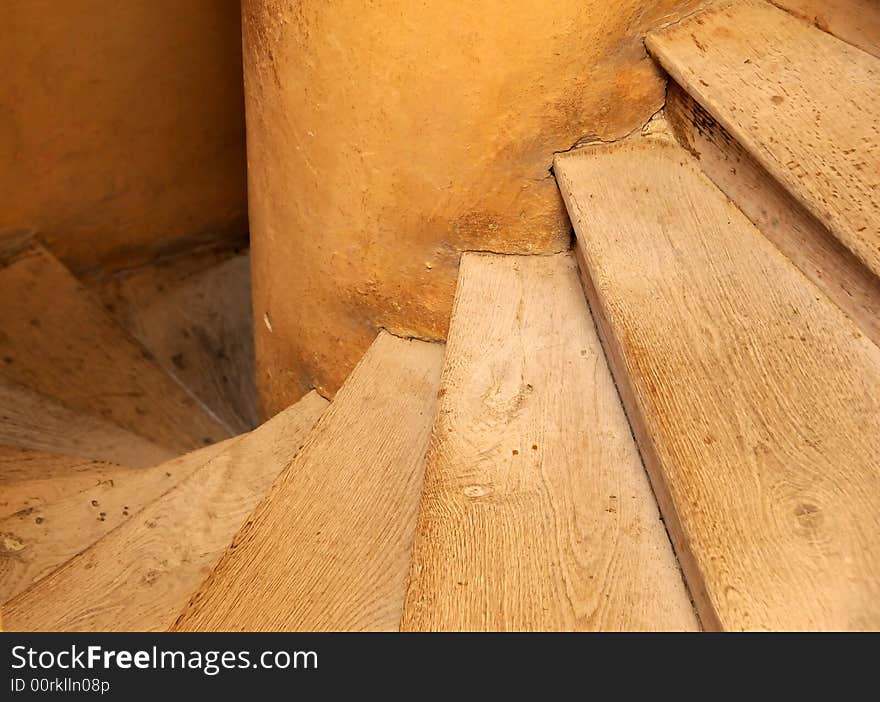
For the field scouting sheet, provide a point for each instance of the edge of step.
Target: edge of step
(138, 576)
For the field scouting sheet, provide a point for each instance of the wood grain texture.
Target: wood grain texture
(801, 102)
(193, 312)
(56, 339)
(536, 513)
(856, 22)
(33, 421)
(755, 400)
(38, 539)
(30, 479)
(779, 216)
(139, 576)
(329, 548)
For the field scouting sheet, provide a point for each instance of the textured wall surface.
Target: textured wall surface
(386, 137)
(121, 125)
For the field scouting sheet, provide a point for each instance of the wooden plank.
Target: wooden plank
(856, 22)
(801, 102)
(30, 479)
(536, 513)
(329, 548)
(59, 341)
(38, 539)
(753, 397)
(33, 421)
(193, 312)
(779, 216)
(140, 575)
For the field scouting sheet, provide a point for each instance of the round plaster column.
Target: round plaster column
(386, 137)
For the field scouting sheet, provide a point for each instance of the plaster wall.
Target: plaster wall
(386, 137)
(121, 126)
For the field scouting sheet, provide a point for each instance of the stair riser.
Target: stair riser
(801, 102)
(752, 396)
(780, 217)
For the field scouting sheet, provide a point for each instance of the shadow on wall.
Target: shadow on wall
(122, 126)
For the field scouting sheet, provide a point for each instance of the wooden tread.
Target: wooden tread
(140, 575)
(803, 103)
(59, 341)
(329, 549)
(755, 400)
(40, 538)
(780, 217)
(194, 314)
(536, 513)
(30, 479)
(856, 22)
(33, 421)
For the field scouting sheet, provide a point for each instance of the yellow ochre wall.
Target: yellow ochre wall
(385, 137)
(121, 126)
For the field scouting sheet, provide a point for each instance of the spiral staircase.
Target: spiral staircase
(673, 426)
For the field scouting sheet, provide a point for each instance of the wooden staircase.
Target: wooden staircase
(782, 117)
(58, 340)
(329, 546)
(536, 512)
(751, 393)
(674, 426)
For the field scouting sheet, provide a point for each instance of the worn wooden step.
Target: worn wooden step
(536, 513)
(856, 22)
(194, 314)
(34, 421)
(140, 575)
(755, 400)
(329, 549)
(779, 216)
(803, 103)
(30, 479)
(37, 540)
(56, 339)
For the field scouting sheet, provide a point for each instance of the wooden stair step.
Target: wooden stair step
(33, 421)
(781, 218)
(329, 549)
(30, 479)
(56, 339)
(856, 22)
(536, 513)
(194, 314)
(803, 103)
(39, 539)
(754, 399)
(140, 575)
